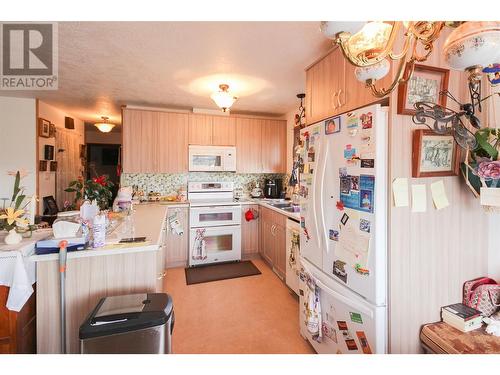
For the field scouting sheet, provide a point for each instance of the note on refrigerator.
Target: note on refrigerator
(439, 195)
(418, 198)
(353, 246)
(400, 192)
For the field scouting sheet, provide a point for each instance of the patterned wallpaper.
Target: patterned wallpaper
(167, 183)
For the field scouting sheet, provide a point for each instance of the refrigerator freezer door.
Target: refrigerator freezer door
(350, 325)
(344, 179)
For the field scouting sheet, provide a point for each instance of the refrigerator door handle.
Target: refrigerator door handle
(347, 301)
(314, 195)
(322, 218)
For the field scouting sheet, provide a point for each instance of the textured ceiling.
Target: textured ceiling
(103, 65)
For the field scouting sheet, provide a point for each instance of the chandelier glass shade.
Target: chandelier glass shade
(104, 126)
(223, 98)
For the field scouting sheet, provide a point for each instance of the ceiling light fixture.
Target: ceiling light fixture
(104, 126)
(370, 47)
(223, 98)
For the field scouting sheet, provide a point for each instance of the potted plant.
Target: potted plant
(481, 169)
(97, 188)
(12, 215)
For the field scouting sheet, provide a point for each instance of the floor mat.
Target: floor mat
(223, 271)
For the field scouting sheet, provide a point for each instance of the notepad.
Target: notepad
(400, 192)
(418, 198)
(439, 195)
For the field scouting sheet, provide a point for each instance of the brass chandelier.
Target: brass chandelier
(372, 47)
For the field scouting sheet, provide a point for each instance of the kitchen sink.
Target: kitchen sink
(281, 205)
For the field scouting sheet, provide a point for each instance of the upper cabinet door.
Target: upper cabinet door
(140, 130)
(274, 146)
(200, 129)
(223, 131)
(173, 142)
(248, 145)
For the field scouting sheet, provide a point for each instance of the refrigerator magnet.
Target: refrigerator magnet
(339, 270)
(332, 125)
(367, 163)
(366, 120)
(356, 317)
(352, 121)
(344, 219)
(349, 340)
(333, 235)
(364, 225)
(363, 341)
(329, 331)
(340, 205)
(360, 270)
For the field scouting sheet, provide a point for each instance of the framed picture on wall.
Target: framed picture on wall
(48, 152)
(53, 166)
(42, 165)
(52, 130)
(43, 128)
(434, 155)
(424, 85)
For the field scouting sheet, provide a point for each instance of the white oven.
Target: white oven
(210, 216)
(212, 158)
(214, 244)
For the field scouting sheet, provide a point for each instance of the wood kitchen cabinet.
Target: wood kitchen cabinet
(249, 145)
(17, 329)
(273, 240)
(273, 146)
(332, 88)
(250, 232)
(154, 142)
(177, 247)
(211, 130)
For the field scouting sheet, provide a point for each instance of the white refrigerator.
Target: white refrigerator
(343, 236)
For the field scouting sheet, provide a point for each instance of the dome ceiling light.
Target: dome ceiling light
(104, 126)
(223, 98)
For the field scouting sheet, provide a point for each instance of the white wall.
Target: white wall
(17, 143)
(47, 179)
(290, 123)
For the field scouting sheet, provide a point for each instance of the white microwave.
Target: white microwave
(212, 158)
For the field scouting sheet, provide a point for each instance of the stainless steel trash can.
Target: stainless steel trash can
(130, 324)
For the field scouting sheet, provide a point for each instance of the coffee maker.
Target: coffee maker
(273, 188)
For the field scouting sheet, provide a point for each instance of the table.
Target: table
(441, 338)
(17, 270)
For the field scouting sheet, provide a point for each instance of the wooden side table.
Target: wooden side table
(441, 338)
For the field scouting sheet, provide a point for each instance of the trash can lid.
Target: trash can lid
(126, 313)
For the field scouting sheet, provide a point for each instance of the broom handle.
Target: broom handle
(62, 274)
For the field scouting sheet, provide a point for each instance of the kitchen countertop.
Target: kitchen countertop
(148, 222)
(265, 203)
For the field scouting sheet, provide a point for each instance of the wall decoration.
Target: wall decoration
(434, 155)
(53, 166)
(42, 165)
(48, 152)
(52, 130)
(424, 86)
(332, 125)
(43, 128)
(83, 151)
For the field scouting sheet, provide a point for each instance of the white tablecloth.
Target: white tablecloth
(17, 271)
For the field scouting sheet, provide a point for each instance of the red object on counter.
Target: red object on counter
(249, 216)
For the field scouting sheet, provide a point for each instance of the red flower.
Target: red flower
(101, 180)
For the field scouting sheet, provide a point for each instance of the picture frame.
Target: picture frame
(43, 128)
(48, 152)
(52, 131)
(42, 166)
(425, 84)
(53, 166)
(434, 155)
(83, 151)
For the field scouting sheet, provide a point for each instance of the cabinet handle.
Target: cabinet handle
(333, 100)
(272, 230)
(338, 98)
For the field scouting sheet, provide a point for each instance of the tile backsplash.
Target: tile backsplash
(167, 183)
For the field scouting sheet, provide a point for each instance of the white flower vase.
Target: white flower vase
(13, 238)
